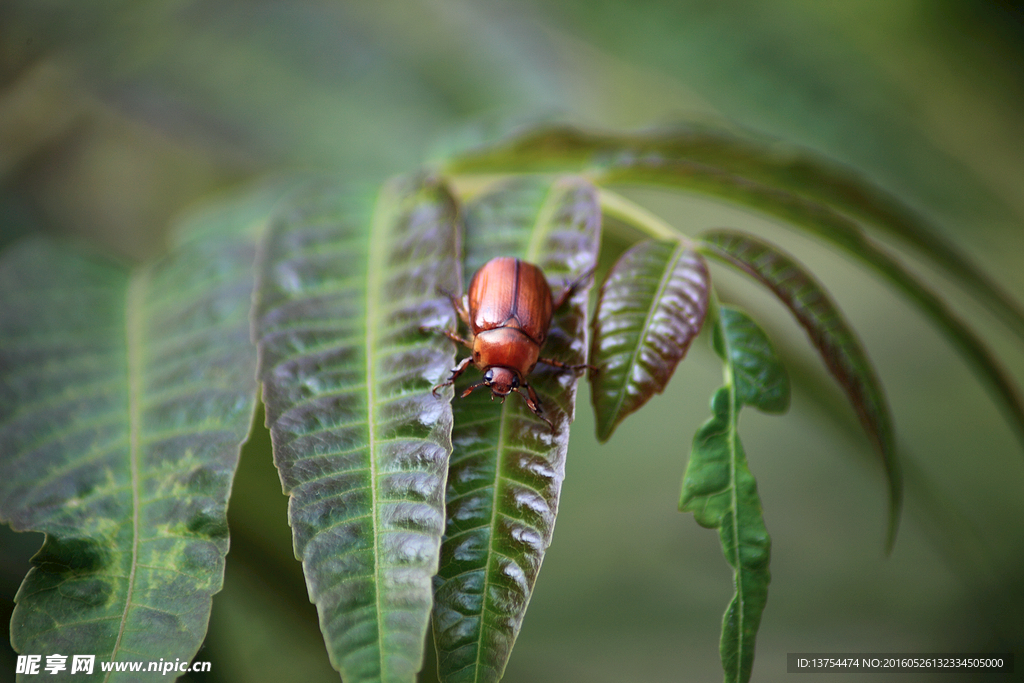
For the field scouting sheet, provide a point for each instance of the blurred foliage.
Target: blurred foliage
(116, 116)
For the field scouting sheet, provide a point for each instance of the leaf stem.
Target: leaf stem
(615, 205)
(467, 186)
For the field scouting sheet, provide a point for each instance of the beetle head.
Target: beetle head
(502, 381)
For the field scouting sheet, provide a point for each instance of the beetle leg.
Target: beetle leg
(533, 403)
(573, 286)
(459, 306)
(471, 387)
(451, 335)
(457, 339)
(456, 371)
(565, 366)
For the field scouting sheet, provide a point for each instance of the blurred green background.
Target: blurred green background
(117, 116)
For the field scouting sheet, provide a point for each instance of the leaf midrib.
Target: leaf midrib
(539, 229)
(734, 499)
(543, 221)
(491, 552)
(378, 225)
(134, 301)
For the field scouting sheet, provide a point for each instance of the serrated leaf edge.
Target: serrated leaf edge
(733, 557)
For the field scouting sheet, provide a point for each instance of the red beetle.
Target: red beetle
(508, 312)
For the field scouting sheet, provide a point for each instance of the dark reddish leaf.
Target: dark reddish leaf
(651, 307)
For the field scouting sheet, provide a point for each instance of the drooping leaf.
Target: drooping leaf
(840, 230)
(507, 465)
(698, 152)
(345, 281)
(831, 335)
(651, 306)
(125, 394)
(719, 489)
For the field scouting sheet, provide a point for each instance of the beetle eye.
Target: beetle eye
(515, 382)
(488, 376)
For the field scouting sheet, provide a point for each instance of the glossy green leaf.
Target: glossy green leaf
(707, 158)
(507, 465)
(759, 378)
(360, 443)
(124, 397)
(719, 489)
(651, 306)
(831, 335)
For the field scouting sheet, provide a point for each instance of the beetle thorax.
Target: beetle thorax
(505, 348)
